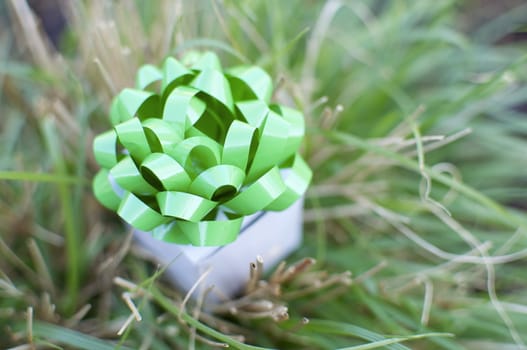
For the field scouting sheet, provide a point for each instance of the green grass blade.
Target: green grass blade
(71, 338)
(41, 177)
(386, 342)
(348, 329)
(71, 224)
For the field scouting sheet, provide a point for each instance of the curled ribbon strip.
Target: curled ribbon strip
(194, 149)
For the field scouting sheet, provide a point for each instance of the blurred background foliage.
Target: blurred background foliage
(416, 134)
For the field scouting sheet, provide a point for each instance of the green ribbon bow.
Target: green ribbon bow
(187, 163)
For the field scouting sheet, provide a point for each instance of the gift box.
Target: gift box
(206, 169)
(224, 270)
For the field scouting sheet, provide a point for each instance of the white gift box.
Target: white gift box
(270, 235)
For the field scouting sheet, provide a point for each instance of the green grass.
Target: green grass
(416, 134)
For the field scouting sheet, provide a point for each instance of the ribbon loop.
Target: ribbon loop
(211, 233)
(173, 71)
(197, 154)
(163, 171)
(258, 195)
(238, 145)
(214, 84)
(146, 75)
(170, 233)
(105, 149)
(218, 182)
(132, 136)
(253, 112)
(185, 206)
(128, 177)
(138, 214)
(181, 106)
(296, 126)
(127, 104)
(162, 136)
(256, 80)
(296, 181)
(104, 191)
(272, 146)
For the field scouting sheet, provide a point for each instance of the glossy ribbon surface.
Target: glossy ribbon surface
(194, 149)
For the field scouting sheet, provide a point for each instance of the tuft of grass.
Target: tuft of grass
(416, 132)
